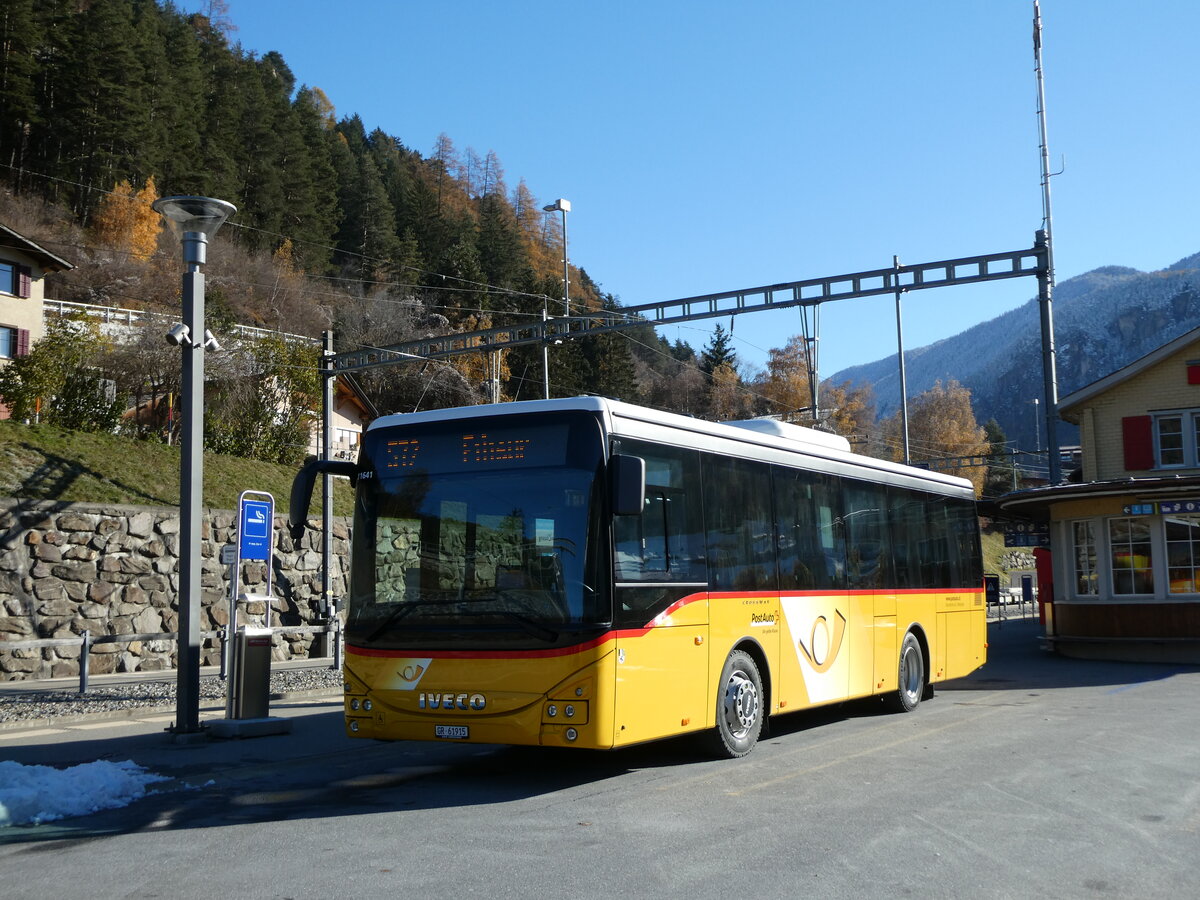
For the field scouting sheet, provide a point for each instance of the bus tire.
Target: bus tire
(740, 710)
(911, 685)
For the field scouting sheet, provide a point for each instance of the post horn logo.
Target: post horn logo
(822, 650)
(412, 673)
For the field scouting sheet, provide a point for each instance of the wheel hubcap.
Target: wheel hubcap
(741, 704)
(910, 673)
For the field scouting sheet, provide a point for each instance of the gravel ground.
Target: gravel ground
(18, 706)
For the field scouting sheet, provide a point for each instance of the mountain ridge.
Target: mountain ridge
(1104, 319)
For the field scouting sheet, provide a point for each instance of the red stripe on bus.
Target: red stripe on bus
(633, 632)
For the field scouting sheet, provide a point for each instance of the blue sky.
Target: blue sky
(710, 146)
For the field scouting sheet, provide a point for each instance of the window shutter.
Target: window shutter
(22, 342)
(1137, 433)
(24, 281)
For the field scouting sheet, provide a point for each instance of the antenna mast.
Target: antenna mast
(1045, 240)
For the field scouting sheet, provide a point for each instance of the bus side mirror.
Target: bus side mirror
(302, 489)
(628, 485)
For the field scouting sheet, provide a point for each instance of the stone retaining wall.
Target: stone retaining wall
(67, 568)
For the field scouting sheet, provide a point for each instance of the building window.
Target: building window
(1169, 441)
(1177, 439)
(15, 279)
(14, 342)
(1132, 555)
(1183, 554)
(1086, 582)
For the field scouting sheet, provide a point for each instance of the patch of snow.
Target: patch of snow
(30, 795)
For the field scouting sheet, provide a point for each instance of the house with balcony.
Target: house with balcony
(352, 412)
(1124, 566)
(23, 267)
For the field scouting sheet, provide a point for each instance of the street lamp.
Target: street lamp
(1037, 425)
(564, 207)
(194, 220)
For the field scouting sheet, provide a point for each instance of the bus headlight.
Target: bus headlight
(575, 713)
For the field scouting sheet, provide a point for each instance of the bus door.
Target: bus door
(661, 602)
(815, 668)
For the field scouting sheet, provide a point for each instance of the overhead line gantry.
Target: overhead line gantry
(809, 292)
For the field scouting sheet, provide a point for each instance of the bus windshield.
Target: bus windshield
(481, 534)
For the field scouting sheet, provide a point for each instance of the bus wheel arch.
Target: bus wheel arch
(741, 702)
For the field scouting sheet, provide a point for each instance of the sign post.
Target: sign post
(256, 541)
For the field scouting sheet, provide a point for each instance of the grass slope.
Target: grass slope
(42, 462)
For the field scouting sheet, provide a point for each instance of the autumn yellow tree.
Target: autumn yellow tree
(727, 397)
(941, 430)
(478, 368)
(125, 221)
(788, 386)
(851, 409)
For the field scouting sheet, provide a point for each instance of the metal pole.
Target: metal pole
(327, 400)
(810, 357)
(191, 482)
(1049, 373)
(545, 350)
(566, 271)
(328, 602)
(903, 376)
(1045, 240)
(85, 656)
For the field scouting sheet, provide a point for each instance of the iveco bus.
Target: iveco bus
(590, 573)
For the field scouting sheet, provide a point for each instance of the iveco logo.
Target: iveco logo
(451, 701)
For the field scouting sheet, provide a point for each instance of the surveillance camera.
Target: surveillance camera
(179, 335)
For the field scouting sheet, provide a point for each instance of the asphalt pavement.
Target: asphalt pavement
(315, 724)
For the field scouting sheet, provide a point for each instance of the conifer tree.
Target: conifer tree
(20, 36)
(1001, 471)
(718, 352)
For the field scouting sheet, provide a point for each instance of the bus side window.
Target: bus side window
(868, 547)
(812, 552)
(663, 544)
(740, 527)
(642, 540)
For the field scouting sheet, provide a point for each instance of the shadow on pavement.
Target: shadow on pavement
(1016, 661)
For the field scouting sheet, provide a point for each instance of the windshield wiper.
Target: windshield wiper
(537, 629)
(400, 612)
(527, 624)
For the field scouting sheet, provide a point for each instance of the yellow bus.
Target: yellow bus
(590, 573)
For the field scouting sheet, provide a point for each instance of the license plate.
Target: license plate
(458, 732)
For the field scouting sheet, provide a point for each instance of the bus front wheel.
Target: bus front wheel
(911, 685)
(739, 707)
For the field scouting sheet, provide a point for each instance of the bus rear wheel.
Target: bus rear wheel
(740, 709)
(911, 684)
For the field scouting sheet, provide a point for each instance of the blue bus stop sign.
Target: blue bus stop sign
(254, 535)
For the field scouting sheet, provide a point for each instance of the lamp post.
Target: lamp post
(564, 207)
(1037, 425)
(194, 220)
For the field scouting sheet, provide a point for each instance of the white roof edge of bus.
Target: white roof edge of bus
(792, 432)
(826, 446)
